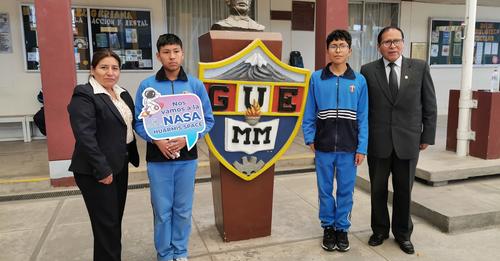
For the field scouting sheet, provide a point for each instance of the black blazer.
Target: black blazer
(100, 133)
(409, 120)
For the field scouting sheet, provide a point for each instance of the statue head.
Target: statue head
(239, 19)
(239, 7)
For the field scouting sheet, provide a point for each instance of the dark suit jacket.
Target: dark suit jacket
(407, 121)
(100, 133)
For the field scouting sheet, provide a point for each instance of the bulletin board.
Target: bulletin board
(79, 24)
(126, 32)
(446, 43)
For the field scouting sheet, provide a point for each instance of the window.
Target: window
(190, 19)
(366, 20)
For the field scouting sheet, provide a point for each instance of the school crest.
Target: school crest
(258, 103)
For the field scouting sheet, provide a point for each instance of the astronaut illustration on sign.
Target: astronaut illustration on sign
(150, 106)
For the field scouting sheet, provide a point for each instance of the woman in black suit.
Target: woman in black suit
(101, 116)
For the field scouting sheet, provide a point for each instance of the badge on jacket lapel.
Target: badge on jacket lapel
(258, 103)
(352, 88)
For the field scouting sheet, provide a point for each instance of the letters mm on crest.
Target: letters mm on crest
(258, 102)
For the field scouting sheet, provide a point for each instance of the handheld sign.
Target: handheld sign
(172, 116)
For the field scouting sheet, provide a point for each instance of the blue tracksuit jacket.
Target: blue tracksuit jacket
(336, 113)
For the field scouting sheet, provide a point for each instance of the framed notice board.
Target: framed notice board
(79, 24)
(446, 43)
(126, 32)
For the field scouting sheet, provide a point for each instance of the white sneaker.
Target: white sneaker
(181, 259)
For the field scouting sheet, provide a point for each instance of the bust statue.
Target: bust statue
(238, 19)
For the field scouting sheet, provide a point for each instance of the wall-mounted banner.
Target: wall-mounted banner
(171, 116)
(258, 102)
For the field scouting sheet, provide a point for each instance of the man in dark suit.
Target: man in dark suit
(402, 121)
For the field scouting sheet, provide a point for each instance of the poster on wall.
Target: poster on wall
(434, 50)
(81, 38)
(447, 43)
(101, 40)
(30, 39)
(457, 50)
(131, 35)
(126, 32)
(79, 25)
(434, 37)
(445, 51)
(418, 50)
(487, 48)
(458, 37)
(494, 48)
(479, 53)
(446, 37)
(5, 36)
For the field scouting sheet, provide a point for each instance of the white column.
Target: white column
(464, 133)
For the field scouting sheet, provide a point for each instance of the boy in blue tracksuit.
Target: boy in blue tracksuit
(335, 126)
(171, 167)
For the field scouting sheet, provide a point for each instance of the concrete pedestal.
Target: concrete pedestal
(243, 209)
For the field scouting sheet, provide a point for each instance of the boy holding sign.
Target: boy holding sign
(172, 112)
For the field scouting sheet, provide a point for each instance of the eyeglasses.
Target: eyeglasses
(389, 43)
(341, 47)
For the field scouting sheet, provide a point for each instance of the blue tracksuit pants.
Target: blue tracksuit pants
(335, 211)
(172, 188)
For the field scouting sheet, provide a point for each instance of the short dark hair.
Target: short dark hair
(387, 28)
(339, 34)
(168, 39)
(103, 53)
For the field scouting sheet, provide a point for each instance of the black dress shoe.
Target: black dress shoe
(377, 239)
(406, 246)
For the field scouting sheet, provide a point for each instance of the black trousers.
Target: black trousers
(403, 175)
(105, 204)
